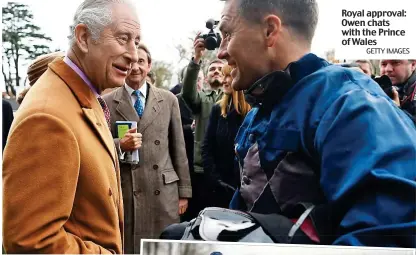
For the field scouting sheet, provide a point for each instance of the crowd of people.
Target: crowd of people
(267, 129)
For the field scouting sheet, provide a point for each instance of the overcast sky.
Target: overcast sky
(165, 23)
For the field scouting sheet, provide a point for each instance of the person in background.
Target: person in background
(156, 189)
(22, 95)
(40, 65)
(177, 89)
(188, 132)
(220, 168)
(61, 177)
(366, 66)
(7, 120)
(200, 101)
(402, 74)
(36, 69)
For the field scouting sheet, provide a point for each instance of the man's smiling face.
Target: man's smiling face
(139, 70)
(243, 46)
(109, 60)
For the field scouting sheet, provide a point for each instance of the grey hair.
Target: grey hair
(96, 15)
(300, 16)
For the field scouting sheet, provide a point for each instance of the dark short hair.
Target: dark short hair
(144, 47)
(217, 60)
(300, 16)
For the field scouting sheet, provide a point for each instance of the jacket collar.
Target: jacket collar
(151, 110)
(209, 92)
(410, 81)
(271, 88)
(82, 92)
(88, 102)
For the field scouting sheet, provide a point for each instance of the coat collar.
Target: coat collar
(272, 87)
(88, 102)
(126, 109)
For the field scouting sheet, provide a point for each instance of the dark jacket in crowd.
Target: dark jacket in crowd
(220, 168)
(7, 120)
(407, 95)
(325, 135)
(176, 89)
(187, 120)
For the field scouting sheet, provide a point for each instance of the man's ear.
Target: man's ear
(272, 27)
(413, 63)
(81, 37)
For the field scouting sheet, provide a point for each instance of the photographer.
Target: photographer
(403, 78)
(200, 103)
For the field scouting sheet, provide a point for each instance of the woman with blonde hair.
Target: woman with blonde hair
(218, 153)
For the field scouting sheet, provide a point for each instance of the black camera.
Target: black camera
(386, 84)
(212, 40)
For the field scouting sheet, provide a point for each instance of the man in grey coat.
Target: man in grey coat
(157, 189)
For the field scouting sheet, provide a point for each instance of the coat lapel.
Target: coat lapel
(151, 109)
(86, 98)
(124, 106)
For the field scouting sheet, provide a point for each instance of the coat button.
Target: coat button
(246, 180)
(157, 142)
(155, 167)
(98, 124)
(157, 192)
(136, 192)
(110, 192)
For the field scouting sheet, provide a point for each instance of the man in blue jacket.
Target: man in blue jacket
(319, 135)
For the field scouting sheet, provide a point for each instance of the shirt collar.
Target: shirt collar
(84, 77)
(212, 91)
(142, 90)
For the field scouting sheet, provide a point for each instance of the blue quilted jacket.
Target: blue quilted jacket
(329, 136)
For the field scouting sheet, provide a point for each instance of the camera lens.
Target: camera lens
(211, 43)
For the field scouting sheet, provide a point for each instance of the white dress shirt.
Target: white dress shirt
(142, 97)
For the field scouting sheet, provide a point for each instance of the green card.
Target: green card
(122, 130)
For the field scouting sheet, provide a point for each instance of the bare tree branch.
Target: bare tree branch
(20, 36)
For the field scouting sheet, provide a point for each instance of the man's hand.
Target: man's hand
(199, 47)
(193, 125)
(131, 141)
(183, 205)
(395, 96)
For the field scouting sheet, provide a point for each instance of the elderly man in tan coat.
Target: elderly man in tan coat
(61, 178)
(156, 190)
